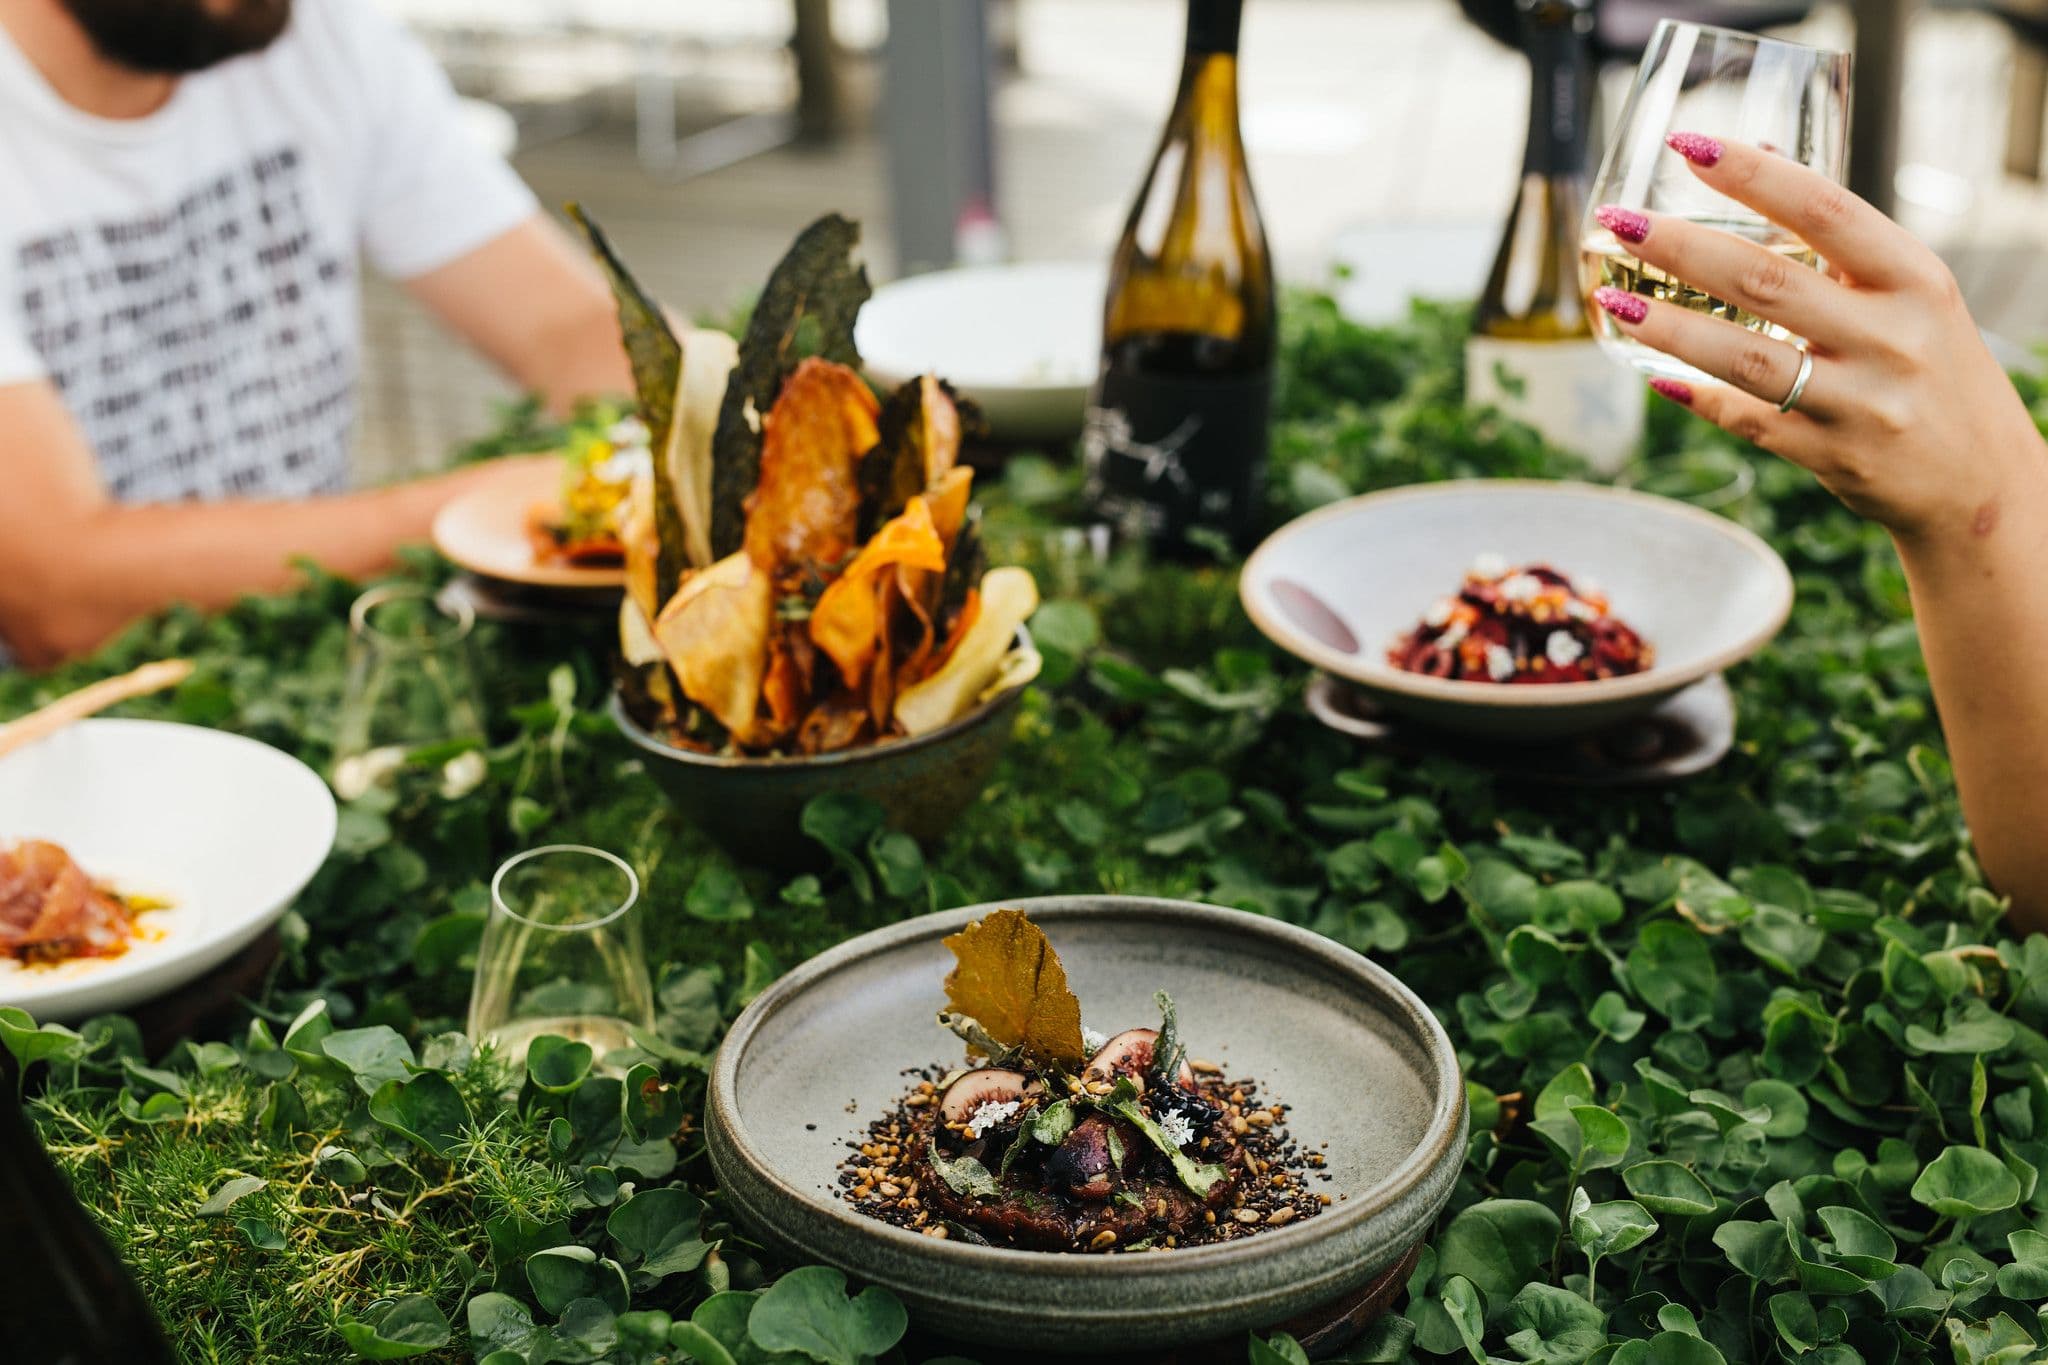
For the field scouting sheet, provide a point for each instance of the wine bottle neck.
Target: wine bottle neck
(1558, 38)
(1212, 26)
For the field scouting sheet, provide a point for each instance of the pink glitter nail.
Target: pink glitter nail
(1697, 148)
(1677, 392)
(1626, 224)
(1622, 304)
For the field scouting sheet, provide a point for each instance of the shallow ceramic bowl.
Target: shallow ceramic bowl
(1023, 341)
(226, 829)
(1704, 592)
(754, 807)
(1362, 1065)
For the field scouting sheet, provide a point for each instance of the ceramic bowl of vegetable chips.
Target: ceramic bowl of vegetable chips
(1348, 585)
(753, 805)
(1369, 1077)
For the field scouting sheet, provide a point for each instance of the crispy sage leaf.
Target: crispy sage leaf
(656, 358)
(964, 1175)
(818, 280)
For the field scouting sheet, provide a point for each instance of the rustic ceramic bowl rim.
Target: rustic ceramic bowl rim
(1443, 1132)
(866, 753)
(1653, 681)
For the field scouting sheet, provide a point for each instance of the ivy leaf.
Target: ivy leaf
(1673, 972)
(1497, 1244)
(1609, 1228)
(1553, 1326)
(807, 1311)
(556, 1065)
(560, 1275)
(659, 1230)
(963, 1175)
(1467, 1313)
(398, 1330)
(718, 895)
(426, 1109)
(222, 1199)
(1965, 1181)
(1278, 1349)
(371, 1055)
(2027, 1276)
(1667, 1187)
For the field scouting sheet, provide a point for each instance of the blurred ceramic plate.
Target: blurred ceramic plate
(484, 531)
(1023, 341)
(1368, 1075)
(1336, 587)
(226, 829)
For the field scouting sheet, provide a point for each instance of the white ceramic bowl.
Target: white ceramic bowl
(1704, 592)
(227, 829)
(1023, 341)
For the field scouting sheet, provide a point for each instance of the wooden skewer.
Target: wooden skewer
(90, 700)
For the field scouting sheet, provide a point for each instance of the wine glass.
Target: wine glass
(1784, 97)
(561, 953)
(411, 703)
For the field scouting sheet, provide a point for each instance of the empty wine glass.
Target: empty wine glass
(561, 953)
(1784, 97)
(411, 703)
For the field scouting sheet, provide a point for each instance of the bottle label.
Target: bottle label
(1167, 453)
(1571, 391)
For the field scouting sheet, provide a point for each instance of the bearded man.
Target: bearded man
(192, 188)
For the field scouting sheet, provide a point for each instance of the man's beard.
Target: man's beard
(175, 37)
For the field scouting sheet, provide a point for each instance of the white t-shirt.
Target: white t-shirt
(188, 280)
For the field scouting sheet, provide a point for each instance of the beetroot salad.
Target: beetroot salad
(1527, 624)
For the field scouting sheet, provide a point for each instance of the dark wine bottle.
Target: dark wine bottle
(1532, 352)
(1175, 442)
(65, 1298)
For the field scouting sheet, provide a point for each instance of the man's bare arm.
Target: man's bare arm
(75, 566)
(535, 304)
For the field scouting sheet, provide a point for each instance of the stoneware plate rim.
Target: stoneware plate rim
(490, 506)
(138, 975)
(1443, 1132)
(1368, 670)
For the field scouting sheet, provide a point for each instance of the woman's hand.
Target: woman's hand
(1906, 416)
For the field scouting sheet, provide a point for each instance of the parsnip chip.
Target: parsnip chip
(715, 634)
(708, 360)
(1008, 596)
(849, 620)
(806, 509)
(640, 541)
(1007, 978)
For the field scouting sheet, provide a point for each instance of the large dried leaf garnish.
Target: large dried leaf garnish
(1008, 979)
(656, 358)
(818, 280)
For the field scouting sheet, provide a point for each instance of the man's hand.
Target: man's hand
(75, 566)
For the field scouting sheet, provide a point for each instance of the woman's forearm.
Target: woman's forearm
(69, 585)
(1980, 596)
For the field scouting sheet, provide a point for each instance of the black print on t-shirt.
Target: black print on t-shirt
(198, 345)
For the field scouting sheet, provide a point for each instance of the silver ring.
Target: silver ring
(1798, 383)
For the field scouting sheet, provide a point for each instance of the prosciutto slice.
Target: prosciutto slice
(50, 910)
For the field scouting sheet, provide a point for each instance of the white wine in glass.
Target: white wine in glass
(1784, 97)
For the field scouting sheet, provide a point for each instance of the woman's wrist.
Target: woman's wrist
(1999, 516)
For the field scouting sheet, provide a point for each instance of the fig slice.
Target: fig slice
(989, 1085)
(1130, 1054)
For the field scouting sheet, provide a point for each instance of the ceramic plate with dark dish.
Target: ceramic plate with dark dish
(1340, 586)
(1369, 1079)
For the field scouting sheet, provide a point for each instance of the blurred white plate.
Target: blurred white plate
(1704, 592)
(1023, 341)
(226, 829)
